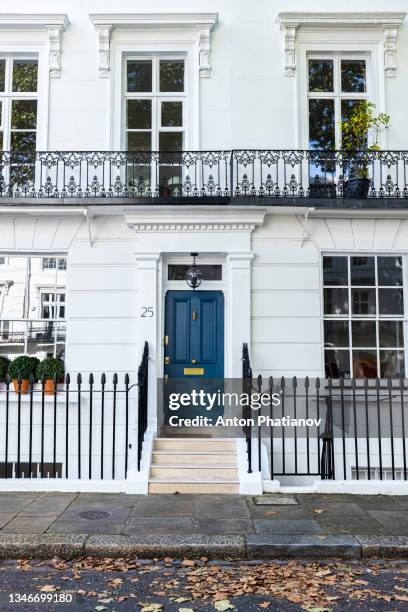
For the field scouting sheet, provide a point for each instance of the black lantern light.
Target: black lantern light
(193, 276)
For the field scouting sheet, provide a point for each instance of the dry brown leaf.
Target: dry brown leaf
(318, 510)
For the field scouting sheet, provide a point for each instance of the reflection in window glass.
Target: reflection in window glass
(211, 272)
(32, 318)
(321, 124)
(390, 271)
(139, 114)
(171, 75)
(25, 75)
(320, 75)
(24, 114)
(336, 302)
(335, 271)
(2, 74)
(353, 76)
(139, 75)
(172, 114)
(375, 344)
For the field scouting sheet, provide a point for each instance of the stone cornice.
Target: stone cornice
(386, 23)
(54, 24)
(192, 220)
(201, 24)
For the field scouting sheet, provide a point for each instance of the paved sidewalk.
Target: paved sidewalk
(224, 525)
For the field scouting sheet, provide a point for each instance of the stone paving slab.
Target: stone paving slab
(264, 546)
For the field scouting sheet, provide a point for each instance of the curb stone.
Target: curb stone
(214, 546)
(41, 546)
(300, 546)
(383, 546)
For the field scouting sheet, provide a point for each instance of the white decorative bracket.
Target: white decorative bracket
(383, 25)
(53, 25)
(198, 25)
(390, 50)
(104, 33)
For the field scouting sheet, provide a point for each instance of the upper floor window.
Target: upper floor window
(52, 305)
(155, 104)
(363, 316)
(54, 263)
(18, 104)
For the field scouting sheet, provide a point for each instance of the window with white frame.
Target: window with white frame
(363, 316)
(155, 115)
(18, 104)
(54, 263)
(336, 83)
(52, 305)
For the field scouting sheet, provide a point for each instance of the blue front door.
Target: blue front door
(194, 346)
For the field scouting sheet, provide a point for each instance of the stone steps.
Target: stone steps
(194, 465)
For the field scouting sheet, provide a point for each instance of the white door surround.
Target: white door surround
(167, 232)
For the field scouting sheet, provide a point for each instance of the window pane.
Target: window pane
(2, 74)
(389, 271)
(336, 301)
(139, 75)
(392, 364)
(353, 75)
(25, 75)
(172, 114)
(362, 270)
(391, 333)
(321, 124)
(139, 141)
(210, 272)
(23, 142)
(320, 75)
(363, 301)
(1, 141)
(336, 333)
(335, 271)
(365, 364)
(171, 75)
(347, 107)
(390, 302)
(171, 141)
(364, 333)
(24, 114)
(139, 114)
(337, 363)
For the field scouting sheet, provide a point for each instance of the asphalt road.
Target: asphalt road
(176, 585)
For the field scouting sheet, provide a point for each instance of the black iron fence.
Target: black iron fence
(272, 174)
(75, 429)
(345, 429)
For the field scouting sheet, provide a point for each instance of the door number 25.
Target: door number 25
(147, 312)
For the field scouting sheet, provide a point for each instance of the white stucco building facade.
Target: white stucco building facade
(314, 281)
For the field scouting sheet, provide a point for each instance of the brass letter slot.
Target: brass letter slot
(193, 371)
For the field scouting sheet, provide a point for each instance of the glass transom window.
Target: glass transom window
(363, 316)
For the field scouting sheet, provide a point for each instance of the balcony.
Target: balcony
(271, 177)
(25, 336)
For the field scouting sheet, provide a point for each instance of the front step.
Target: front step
(193, 471)
(194, 465)
(209, 485)
(195, 457)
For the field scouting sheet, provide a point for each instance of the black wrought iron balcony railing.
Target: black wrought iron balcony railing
(273, 175)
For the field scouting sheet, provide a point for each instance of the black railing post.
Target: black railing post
(143, 386)
(327, 457)
(246, 410)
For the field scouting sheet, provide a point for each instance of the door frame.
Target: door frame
(184, 258)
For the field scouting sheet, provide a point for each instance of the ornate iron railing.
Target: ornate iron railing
(271, 174)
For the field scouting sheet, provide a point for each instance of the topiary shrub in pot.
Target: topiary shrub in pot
(51, 370)
(4, 365)
(360, 132)
(22, 366)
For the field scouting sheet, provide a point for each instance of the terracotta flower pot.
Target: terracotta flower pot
(49, 387)
(25, 385)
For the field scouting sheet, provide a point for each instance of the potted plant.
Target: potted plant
(4, 365)
(22, 366)
(361, 125)
(51, 370)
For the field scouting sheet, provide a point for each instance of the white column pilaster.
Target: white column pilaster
(238, 311)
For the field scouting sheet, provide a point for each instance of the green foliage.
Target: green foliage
(4, 364)
(49, 368)
(23, 366)
(356, 131)
(360, 125)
